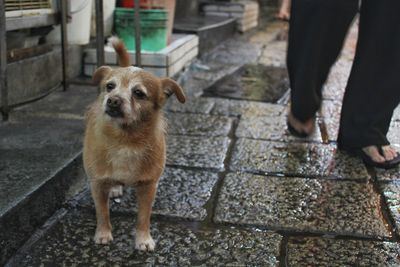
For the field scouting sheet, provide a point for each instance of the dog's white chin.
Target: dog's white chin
(121, 122)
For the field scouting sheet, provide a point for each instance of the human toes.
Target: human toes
(389, 153)
(305, 127)
(373, 153)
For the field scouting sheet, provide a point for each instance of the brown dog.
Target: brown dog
(125, 141)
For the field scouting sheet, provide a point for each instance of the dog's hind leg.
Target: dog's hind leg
(145, 194)
(100, 194)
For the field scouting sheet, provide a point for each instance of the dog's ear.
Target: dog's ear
(170, 87)
(100, 73)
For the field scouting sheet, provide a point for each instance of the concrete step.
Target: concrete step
(211, 30)
(40, 150)
(246, 12)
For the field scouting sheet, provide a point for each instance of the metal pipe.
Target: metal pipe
(64, 43)
(3, 63)
(99, 34)
(137, 35)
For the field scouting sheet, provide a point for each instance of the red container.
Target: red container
(145, 4)
(127, 3)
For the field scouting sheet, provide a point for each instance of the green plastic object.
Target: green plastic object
(153, 24)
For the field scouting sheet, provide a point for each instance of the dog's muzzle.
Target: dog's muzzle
(113, 107)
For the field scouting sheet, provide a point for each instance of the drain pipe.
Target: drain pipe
(3, 63)
(137, 35)
(99, 35)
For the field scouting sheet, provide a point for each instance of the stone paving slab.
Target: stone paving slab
(388, 175)
(232, 107)
(330, 117)
(338, 253)
(270, 128)
(299, 204)
(391, 192)
(212, 71)
(235, 51)
(331, 109)
(333, 90)
(71, 244)
(332, 128)
(298, 159)
(332, 122)
(193, 151)
(252, 82)
(337, 80)
(180, 193)
(274, 54)
(396, 114)
(267, 35)
(62, 103)
(345, 166)
(192, 105)
(198, 124)
(38, 132)
(394, 133)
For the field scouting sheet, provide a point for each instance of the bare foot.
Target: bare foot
(284, 11)
(283, 15)
(302, 127)
(389, 153)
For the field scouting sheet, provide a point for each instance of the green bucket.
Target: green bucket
(153, 26)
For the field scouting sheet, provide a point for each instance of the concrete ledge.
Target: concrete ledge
(164, 63)
(22, 220)
(40, 163)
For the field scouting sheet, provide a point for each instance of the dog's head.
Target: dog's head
(131, 95)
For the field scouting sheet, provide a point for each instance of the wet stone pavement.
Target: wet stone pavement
(239, 191)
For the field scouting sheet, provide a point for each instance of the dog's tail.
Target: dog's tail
(122, 52)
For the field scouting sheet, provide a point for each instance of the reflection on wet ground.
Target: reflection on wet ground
(252, 82)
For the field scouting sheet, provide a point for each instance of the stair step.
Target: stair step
(212, 30)
(40, 158)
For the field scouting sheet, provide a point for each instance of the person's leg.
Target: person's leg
(284, 10)
(373, 89)
(316, 35)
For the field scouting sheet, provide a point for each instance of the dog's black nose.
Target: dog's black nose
(114, 102)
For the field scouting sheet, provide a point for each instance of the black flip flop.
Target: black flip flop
(388, 164)
(296, 133)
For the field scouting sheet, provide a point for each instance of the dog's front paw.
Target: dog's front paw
(116, 191)
(145, 244)
(103, 237)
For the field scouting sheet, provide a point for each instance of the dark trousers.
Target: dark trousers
(316, 35)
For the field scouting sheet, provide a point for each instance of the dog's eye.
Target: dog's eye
(110, 86)
(138, 93)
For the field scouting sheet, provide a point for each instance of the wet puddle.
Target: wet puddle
(252, 82)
